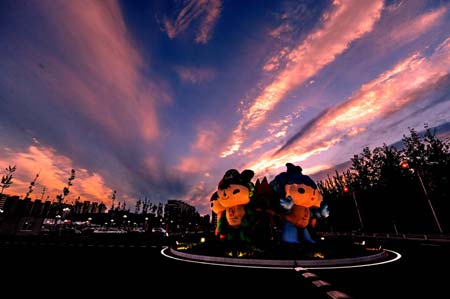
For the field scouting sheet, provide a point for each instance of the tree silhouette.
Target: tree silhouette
(138, 206)
(66, 190)
(7, 178)
(145, 206)
(32, 184)
(113, 198)
(391, 198)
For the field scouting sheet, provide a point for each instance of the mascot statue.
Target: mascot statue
(231, 204)
(298, 196)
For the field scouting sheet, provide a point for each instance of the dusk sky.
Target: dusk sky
(160, 98)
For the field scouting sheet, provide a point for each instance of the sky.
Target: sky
(159, 99)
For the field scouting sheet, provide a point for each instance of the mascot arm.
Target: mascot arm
(287, 203)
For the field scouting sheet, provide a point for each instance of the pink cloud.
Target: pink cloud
(206, 140)
(208, 11)
(390, 92)
(99, 72)
(210, 20)
(283, 28)
(195, 74)
(198, 196)
(342, 24)
(411, 29)
(194, 164)
(54, 170)
(277, 130)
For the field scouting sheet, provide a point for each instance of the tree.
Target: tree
(145, 206)
(159, 212)
(66, 190)
(32, 184)
(113, 198)
(138, 206)
(392, 196)
(7, 178)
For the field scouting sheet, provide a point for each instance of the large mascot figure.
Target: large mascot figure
(234, 193)
(297, 194)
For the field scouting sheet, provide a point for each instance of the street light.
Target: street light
(124, 220)
(346, 189)
(405, 165)
(146, 224)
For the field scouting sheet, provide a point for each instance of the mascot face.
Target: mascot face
(235, 214)
(299, 216)
(304, 195)
(233, 195)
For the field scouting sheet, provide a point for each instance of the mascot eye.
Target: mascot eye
(212, 205)
(301, 190)
(236, 191)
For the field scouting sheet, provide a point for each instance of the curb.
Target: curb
(378, 257)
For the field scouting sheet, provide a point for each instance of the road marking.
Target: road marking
(309, 275)
(320, 283)
(298, 269)
(337, 295)
(397, 257)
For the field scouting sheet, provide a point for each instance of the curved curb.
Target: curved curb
(378, 258)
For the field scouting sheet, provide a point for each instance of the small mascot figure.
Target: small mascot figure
(297, 194)
(218, 209)
(234, 193)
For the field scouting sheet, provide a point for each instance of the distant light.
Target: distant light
(322, 238)
(346, 189)
(202, 240)
(404, 165)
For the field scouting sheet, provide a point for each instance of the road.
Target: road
(131, 272)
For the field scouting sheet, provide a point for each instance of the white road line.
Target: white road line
(320, 283)
(309, 275)
(397, 257)
(337, 295)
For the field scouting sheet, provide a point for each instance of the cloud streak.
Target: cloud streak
(342, 24)
(100, 69)
(195, 75)
(392, 91)
(207, 11)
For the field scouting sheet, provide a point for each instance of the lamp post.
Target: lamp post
(124, 221)
(405, 165)
(346, 189)
(57, 223)
(146, 224)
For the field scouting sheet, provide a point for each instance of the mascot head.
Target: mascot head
(216, 207)
(235, 188)
(297, 186)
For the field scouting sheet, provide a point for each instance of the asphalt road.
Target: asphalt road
(121, 271)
